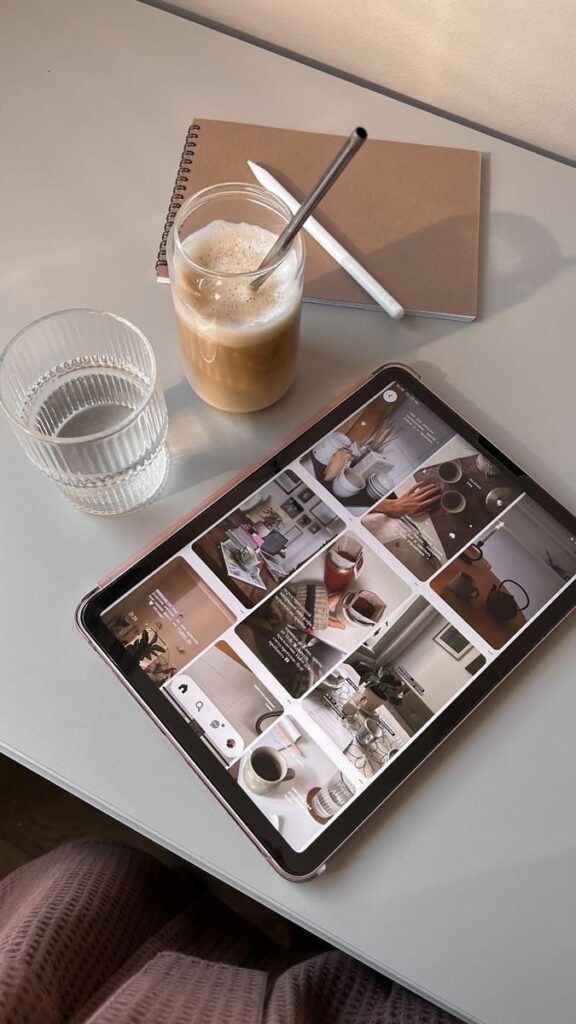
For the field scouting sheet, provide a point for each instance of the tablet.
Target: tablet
(312, 634)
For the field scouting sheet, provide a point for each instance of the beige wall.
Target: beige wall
(507, 64)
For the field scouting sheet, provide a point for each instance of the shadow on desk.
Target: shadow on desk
(36, 816)
(204, 441)
(518, 255)
(402, 804)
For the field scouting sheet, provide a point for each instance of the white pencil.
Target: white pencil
(337, 251)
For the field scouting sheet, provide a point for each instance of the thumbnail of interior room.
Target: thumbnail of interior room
(506, 577)
(268, 538)
(167, 620)
(399, 681)
(363, 731)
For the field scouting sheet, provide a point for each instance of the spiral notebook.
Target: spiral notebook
(409, 213)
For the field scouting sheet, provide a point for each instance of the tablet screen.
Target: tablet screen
(313, 632)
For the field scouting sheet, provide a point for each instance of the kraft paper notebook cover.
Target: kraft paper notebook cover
(409, 213)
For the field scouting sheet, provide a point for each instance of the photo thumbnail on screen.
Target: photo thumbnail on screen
(167, 620)
(365, 458)
(505, 578)
(266, 539)
(390, 687)
(294, 781)
(328, 608)
(441, 507)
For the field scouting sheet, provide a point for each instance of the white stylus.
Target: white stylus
(337, 251)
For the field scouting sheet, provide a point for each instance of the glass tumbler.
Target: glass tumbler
(82, 395)
(240, 343)
(331, 797)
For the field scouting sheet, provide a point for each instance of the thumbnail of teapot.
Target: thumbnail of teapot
(503, 606)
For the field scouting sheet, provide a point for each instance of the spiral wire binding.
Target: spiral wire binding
(179, 191)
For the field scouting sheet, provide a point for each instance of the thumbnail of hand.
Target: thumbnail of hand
(416, 502)
(339, 460)
(333, 602)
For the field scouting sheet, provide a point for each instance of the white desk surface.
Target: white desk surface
(463, 886)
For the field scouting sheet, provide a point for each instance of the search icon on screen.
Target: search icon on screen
(199, 705)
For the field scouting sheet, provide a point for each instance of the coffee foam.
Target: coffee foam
(230, 248)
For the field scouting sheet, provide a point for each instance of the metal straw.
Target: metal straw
(284, 240)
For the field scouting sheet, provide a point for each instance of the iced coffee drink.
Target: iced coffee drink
(240, 343)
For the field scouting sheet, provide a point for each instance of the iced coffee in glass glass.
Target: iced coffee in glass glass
(240, 344)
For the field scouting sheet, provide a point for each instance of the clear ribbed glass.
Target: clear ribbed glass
(81, 392)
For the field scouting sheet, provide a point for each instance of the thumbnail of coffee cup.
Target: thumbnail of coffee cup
(369, 733)
(450, 472)
(266, 768)
(348, 483)
(361, 608)
(453, 502)
(328, 447)
(464, 585)
(248, 557)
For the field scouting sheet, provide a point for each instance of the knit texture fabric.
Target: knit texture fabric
(97, 933)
